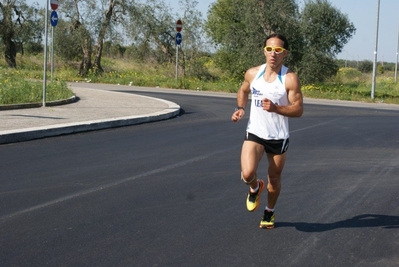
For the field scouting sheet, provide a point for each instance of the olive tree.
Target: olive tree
(316, 34)
(238, 29)
(325, 30)
(88, 24)
(19, 25)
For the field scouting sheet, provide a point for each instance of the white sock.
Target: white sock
(254, 190)
(267, 208)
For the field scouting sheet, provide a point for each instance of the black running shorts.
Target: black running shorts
(276, 147)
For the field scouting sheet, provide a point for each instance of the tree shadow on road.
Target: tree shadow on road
(360, 221)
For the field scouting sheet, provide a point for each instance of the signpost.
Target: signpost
(53, 21)
(53, 18)
(54, 4)
(179, 25)
(178, 39)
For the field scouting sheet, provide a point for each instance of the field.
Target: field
(25, 84)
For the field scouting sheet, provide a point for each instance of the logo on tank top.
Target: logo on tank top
(276, 92)
(256, 92)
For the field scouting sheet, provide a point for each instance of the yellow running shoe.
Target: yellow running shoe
(267, 221)
(253, 199)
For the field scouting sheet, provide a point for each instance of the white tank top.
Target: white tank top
(264, 124)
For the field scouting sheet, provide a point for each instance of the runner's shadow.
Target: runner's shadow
(366, 220)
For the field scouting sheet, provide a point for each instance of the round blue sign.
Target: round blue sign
(54, 18)
(179, 38)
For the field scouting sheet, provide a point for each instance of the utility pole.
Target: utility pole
(396, 63)
(375, 52)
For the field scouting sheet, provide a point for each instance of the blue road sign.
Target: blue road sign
(54, 18)
(179, 38)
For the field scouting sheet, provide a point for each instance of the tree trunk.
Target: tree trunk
(100, 40)
(86, 64)
(7, 33)
(10, 53)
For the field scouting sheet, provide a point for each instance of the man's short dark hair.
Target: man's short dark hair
(279, 36)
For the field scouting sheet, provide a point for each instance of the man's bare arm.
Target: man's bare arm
(243, 94)
(295, 109)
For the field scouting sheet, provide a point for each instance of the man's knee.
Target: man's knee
(248, 177)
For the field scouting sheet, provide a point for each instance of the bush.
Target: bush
(365, 66)
(33, 48)
(381, 69)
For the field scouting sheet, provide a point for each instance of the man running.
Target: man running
(276, 96)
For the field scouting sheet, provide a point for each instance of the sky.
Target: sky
(363, 14)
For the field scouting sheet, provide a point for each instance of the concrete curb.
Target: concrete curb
(13, 136)
(38, 105)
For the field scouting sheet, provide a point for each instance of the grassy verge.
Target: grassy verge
(15, 89)
(352, 85)
(24, 85)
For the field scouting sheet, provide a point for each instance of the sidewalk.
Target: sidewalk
(95, 109)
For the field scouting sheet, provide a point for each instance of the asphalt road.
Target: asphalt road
(169, 193)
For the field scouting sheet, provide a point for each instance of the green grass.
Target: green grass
(351, 85)
(24, 84)
(16, 89)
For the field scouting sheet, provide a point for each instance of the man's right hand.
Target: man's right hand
(237, 115)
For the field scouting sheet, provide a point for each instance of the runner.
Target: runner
(276, 96)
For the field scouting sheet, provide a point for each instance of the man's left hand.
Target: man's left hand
(268, 105)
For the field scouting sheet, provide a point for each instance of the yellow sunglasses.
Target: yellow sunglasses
(277, 49)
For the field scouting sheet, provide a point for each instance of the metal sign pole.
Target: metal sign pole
(178, 38)
(45, 53)
(177, 59)
(52, 52)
